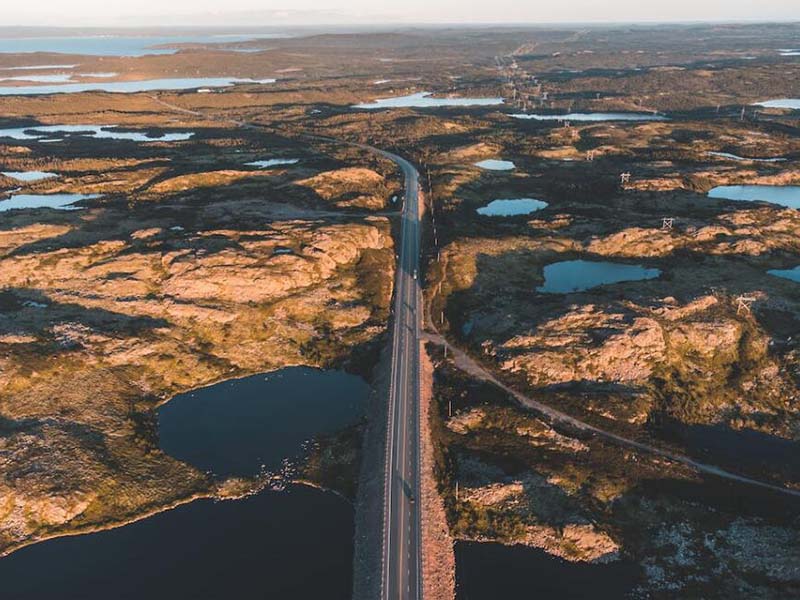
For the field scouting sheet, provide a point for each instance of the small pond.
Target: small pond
(578, 275)
(273, 162)
(786, 195)
(496, 165)
(511, 207)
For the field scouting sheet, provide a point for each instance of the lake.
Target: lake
(29, 175)
(790, 274)
(786, 195)
(297, 543)
(292, 544)
(105, 132)
(793, 103)
(736, 157)
(511, 207)
(597, 116)
(113, 45)
(488, 571)
(57, 201)
(578, 275)
(496, 165)
(426, 100)
(130, 87)
(273, 162)
(235, 427)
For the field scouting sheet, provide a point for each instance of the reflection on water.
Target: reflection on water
(787, 195)
(425, 100)
(57, 201)
(130, 87)
(511, 207)
(597, 116)
(578, 275)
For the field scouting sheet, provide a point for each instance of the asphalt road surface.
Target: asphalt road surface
(401, 535)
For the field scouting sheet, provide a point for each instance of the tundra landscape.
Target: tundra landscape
(571, 254)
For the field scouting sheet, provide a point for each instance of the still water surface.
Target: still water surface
(130, 87)
(426, 100)
(511, 207)
(598, 116)
(57, 201)
(786, 195)
(578, 275)
(292, 544)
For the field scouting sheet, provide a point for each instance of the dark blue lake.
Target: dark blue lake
(494, 571)
(292, 544)
(234, 427)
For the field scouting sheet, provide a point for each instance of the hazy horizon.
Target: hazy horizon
(275, 13)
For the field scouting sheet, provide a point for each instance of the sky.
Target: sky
(310, 12)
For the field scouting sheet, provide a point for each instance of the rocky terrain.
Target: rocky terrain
(195, 265)
(179, 276)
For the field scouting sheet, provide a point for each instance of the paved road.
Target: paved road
(401, 533)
